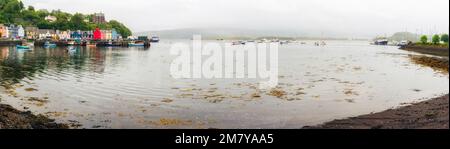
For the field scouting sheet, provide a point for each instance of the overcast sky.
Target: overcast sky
(348, 17)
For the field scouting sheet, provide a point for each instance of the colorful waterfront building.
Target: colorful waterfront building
(4, 32)
(87, 35)
(31, 32)
(16, 32)
(97, 34)
(75, 35)
(47, 34)
(63, 35)
(106, 34)
(114, 34)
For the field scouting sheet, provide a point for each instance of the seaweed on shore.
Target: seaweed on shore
(436, 63)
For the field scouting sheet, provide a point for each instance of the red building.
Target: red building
(97, 34)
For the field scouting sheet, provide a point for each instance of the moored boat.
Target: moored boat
(381, 42)
(137, 43)
(49, 45)
(22, 47)
(154, 39)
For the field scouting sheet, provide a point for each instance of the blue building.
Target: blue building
(114, 34)
(75, 35)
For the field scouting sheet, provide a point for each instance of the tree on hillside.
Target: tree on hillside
(31, 8)
(436, 39)
(9, 10)
(424, 39)
(14, 12)
(77, 22)
(120, 28)
(444, 38)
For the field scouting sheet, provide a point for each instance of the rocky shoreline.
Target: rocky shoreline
(431, 114)
(428, 49)
(11, 118)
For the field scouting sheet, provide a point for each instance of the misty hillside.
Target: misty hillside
(399, 36)
(228, 33)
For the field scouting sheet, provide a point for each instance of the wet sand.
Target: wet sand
(11, 118)
(432, 114)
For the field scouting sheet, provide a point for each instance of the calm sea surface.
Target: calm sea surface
(132, 87)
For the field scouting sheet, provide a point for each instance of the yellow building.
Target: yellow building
(31, 32)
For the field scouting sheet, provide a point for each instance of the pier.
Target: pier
(98, 43)
(11, 42)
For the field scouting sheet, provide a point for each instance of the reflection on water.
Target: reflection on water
(132, 88)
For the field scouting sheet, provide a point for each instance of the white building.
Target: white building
(21, 32)
(50, 18)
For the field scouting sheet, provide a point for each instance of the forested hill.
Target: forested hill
(14, 12)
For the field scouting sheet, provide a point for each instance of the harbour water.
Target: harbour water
(120, 87)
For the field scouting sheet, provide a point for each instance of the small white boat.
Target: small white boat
(49, 45)
(154, 39)
(137, 43)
